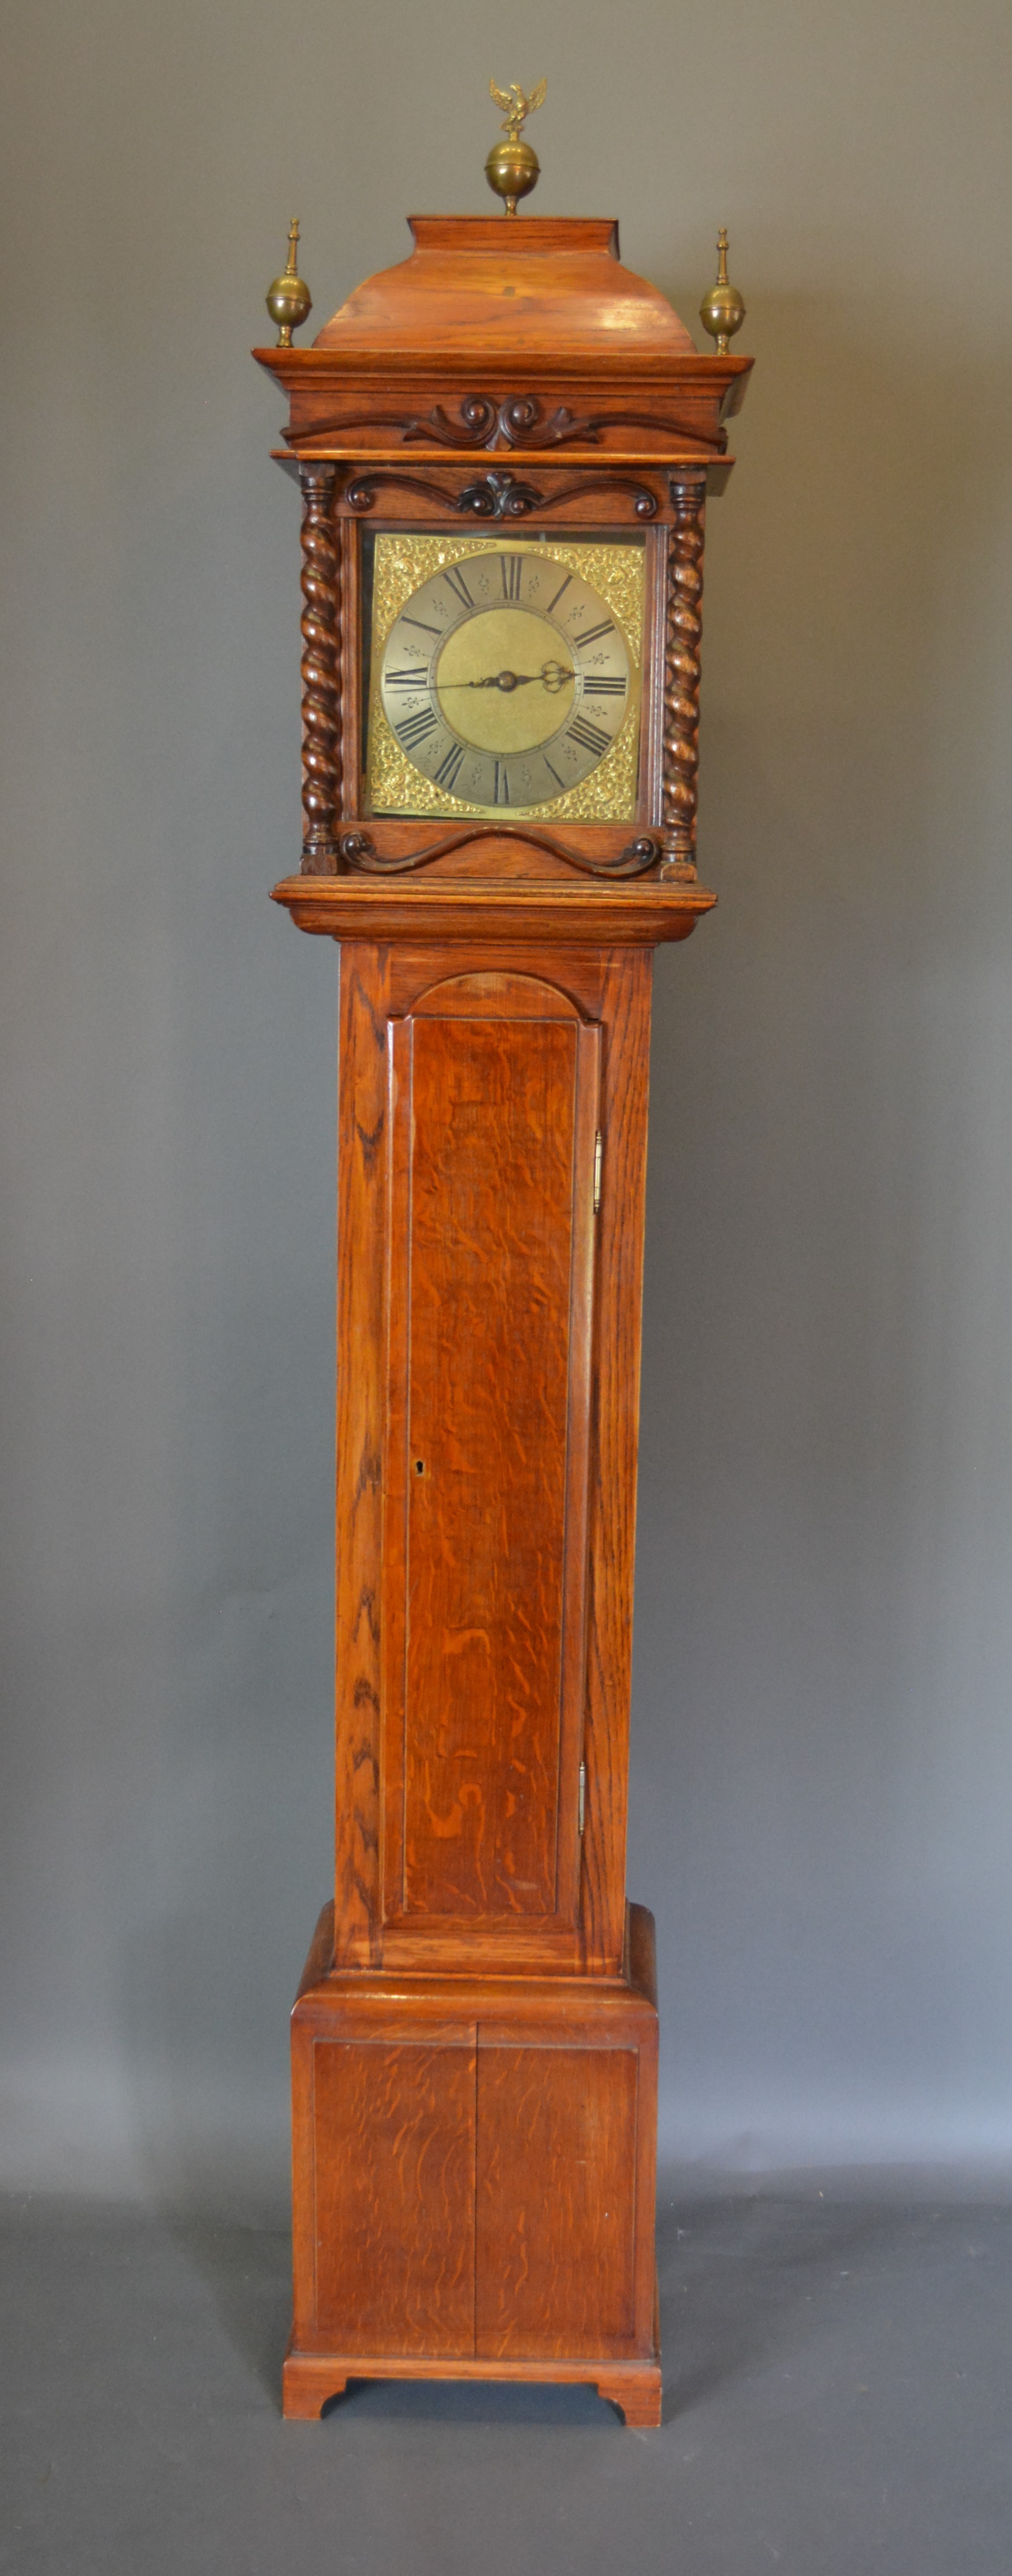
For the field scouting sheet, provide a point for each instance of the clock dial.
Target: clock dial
(506, 678)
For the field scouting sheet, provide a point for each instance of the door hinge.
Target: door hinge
(598, 1152)
(582, 1807)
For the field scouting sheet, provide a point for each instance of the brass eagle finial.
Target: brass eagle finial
(516, 107)
(512, 167)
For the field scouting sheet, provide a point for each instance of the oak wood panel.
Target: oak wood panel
(615, 987)
(556, 2200)
(612, 1529)
(490, 1303)
(361, 1395)
(394, 2139)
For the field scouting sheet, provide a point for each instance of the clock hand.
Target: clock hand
(552, 675)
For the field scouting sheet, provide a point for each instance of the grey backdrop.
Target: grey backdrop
(822, 1765)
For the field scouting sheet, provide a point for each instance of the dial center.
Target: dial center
(503, 680)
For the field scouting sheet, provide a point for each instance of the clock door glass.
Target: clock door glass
(505, 677)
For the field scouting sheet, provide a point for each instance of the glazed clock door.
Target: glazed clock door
(505, 676)
(493, 1116)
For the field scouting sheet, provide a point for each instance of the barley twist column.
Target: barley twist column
(684, 631)
(320, 592)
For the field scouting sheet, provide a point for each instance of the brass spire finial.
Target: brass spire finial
(513, 168)
(722, 311)
(288, 299)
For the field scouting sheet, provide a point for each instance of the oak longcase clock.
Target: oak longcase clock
(505, 447)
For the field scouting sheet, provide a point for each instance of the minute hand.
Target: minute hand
(552, 676)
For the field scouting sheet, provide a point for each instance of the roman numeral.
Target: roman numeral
(414, 678)
(594, 633)
(414, 728)
(589, 735)
(458, 584)
(501, 795)
(553, 603)
(605, 688)
(511, 567)
(448, 769)
(422, 627)
(553, 773)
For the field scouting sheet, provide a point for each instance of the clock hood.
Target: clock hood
(483, 282)
(508, 331)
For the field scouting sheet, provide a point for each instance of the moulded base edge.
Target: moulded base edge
(311, 2378)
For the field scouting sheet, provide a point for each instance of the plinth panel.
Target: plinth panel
(556, 2200)
(394, 2155)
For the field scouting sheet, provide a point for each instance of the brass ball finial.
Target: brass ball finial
(513, 168)
(722, 311)
(288, 299)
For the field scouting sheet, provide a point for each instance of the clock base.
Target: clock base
(311, 2380)
(474, 2170)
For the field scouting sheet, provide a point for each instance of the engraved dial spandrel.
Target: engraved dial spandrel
(506, 679)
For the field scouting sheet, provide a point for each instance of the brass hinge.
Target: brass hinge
(598, 1152)
(582, 1809)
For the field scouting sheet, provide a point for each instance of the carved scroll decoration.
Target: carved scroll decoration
(321, 770)
(521, 421)
(359, 851)
(683, 636)
(497, 496)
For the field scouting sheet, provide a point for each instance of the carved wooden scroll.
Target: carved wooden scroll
(320, 591)
(684, 628)
(495, 495)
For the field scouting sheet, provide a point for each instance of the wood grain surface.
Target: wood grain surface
(426, 358)
(614, 1453)
(474, 2174)
(471, 1407)
(490, 1308)
(394, 2153)
(556, 2200)
(310, 2380)
(361, 1396)
(447, 910)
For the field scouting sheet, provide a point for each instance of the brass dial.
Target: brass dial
(506, 678)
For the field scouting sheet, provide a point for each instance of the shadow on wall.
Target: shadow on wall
(820, 1750)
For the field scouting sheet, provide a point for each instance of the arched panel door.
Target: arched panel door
(493, 1100)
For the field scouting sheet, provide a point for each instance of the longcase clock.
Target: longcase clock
(505, 446)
